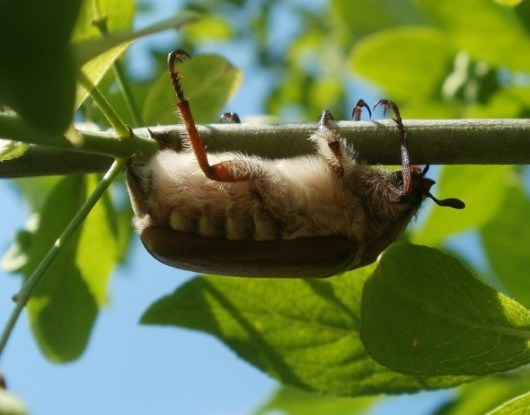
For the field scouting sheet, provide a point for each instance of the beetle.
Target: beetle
(242, 215)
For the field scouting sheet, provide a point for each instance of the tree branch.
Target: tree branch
(502, 141)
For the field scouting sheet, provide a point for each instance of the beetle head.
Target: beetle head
(420, 188)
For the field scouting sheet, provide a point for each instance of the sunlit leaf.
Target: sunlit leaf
(358, 17)
(304, 333)
(113, 16)
(61, 310)
(478, 397)
(86, 50)
(507, 243)
(482, 188)
(291, 401)
(207, 28)
(97, 253)
(10, 149)
(519, 405)
(424, 313)
(490, 34)
(208, 81)
(64, 305)
(406, 62)
(11, 404)
(509, 2)
(16, 256)
(37, 74)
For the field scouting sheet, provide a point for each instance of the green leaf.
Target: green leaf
(359, 17)
(482, 188)
(406, 62)
(208, 81)
(479, 397)
(113, 15)
(208, 28)
(35, 191)
(37, 74)
(509, 2)
(11, 404)
(490, 35)
(61, 310)
(10, 149)
(98, 250)
(86, 50)
(291, 401)
(64, 305)
(506, 241)
(304, 333)
(425, 314)
(519, 405)
(16, 257)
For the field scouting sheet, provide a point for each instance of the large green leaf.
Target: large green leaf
(358, 17)
(64, 305)
(61, 309)
(85, 50)
(37, 73)
(477, 398)
(10, 150)
(482, 188)
(425, 314)
(506, 241)
(407, 62)
(11, 404)
(291, 401)
(98, 249)
(303, 332)
(114, 15)
(519, 405)
(485, 29)
(208, 81)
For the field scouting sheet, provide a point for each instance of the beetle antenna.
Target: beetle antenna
(388, 104)
(358, 109)
(451, 202)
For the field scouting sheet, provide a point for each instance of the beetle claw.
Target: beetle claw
(357, 110)
(230, 117)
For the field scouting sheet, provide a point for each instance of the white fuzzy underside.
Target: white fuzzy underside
(298, 197)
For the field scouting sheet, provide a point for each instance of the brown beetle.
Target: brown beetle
(307, 216)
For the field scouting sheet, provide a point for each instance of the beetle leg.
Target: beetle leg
(388, 104)
(357, 110)
(227, 171)
(333, 152)
(230, 118)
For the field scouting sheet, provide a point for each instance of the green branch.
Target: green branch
(431, 141)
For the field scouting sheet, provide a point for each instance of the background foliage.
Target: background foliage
(419, 320)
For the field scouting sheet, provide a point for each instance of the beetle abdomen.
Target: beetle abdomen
(281, 205)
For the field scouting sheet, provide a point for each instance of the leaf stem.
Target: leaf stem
(112, 116)
(127, 94)
(25, 293)
(100, 21)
